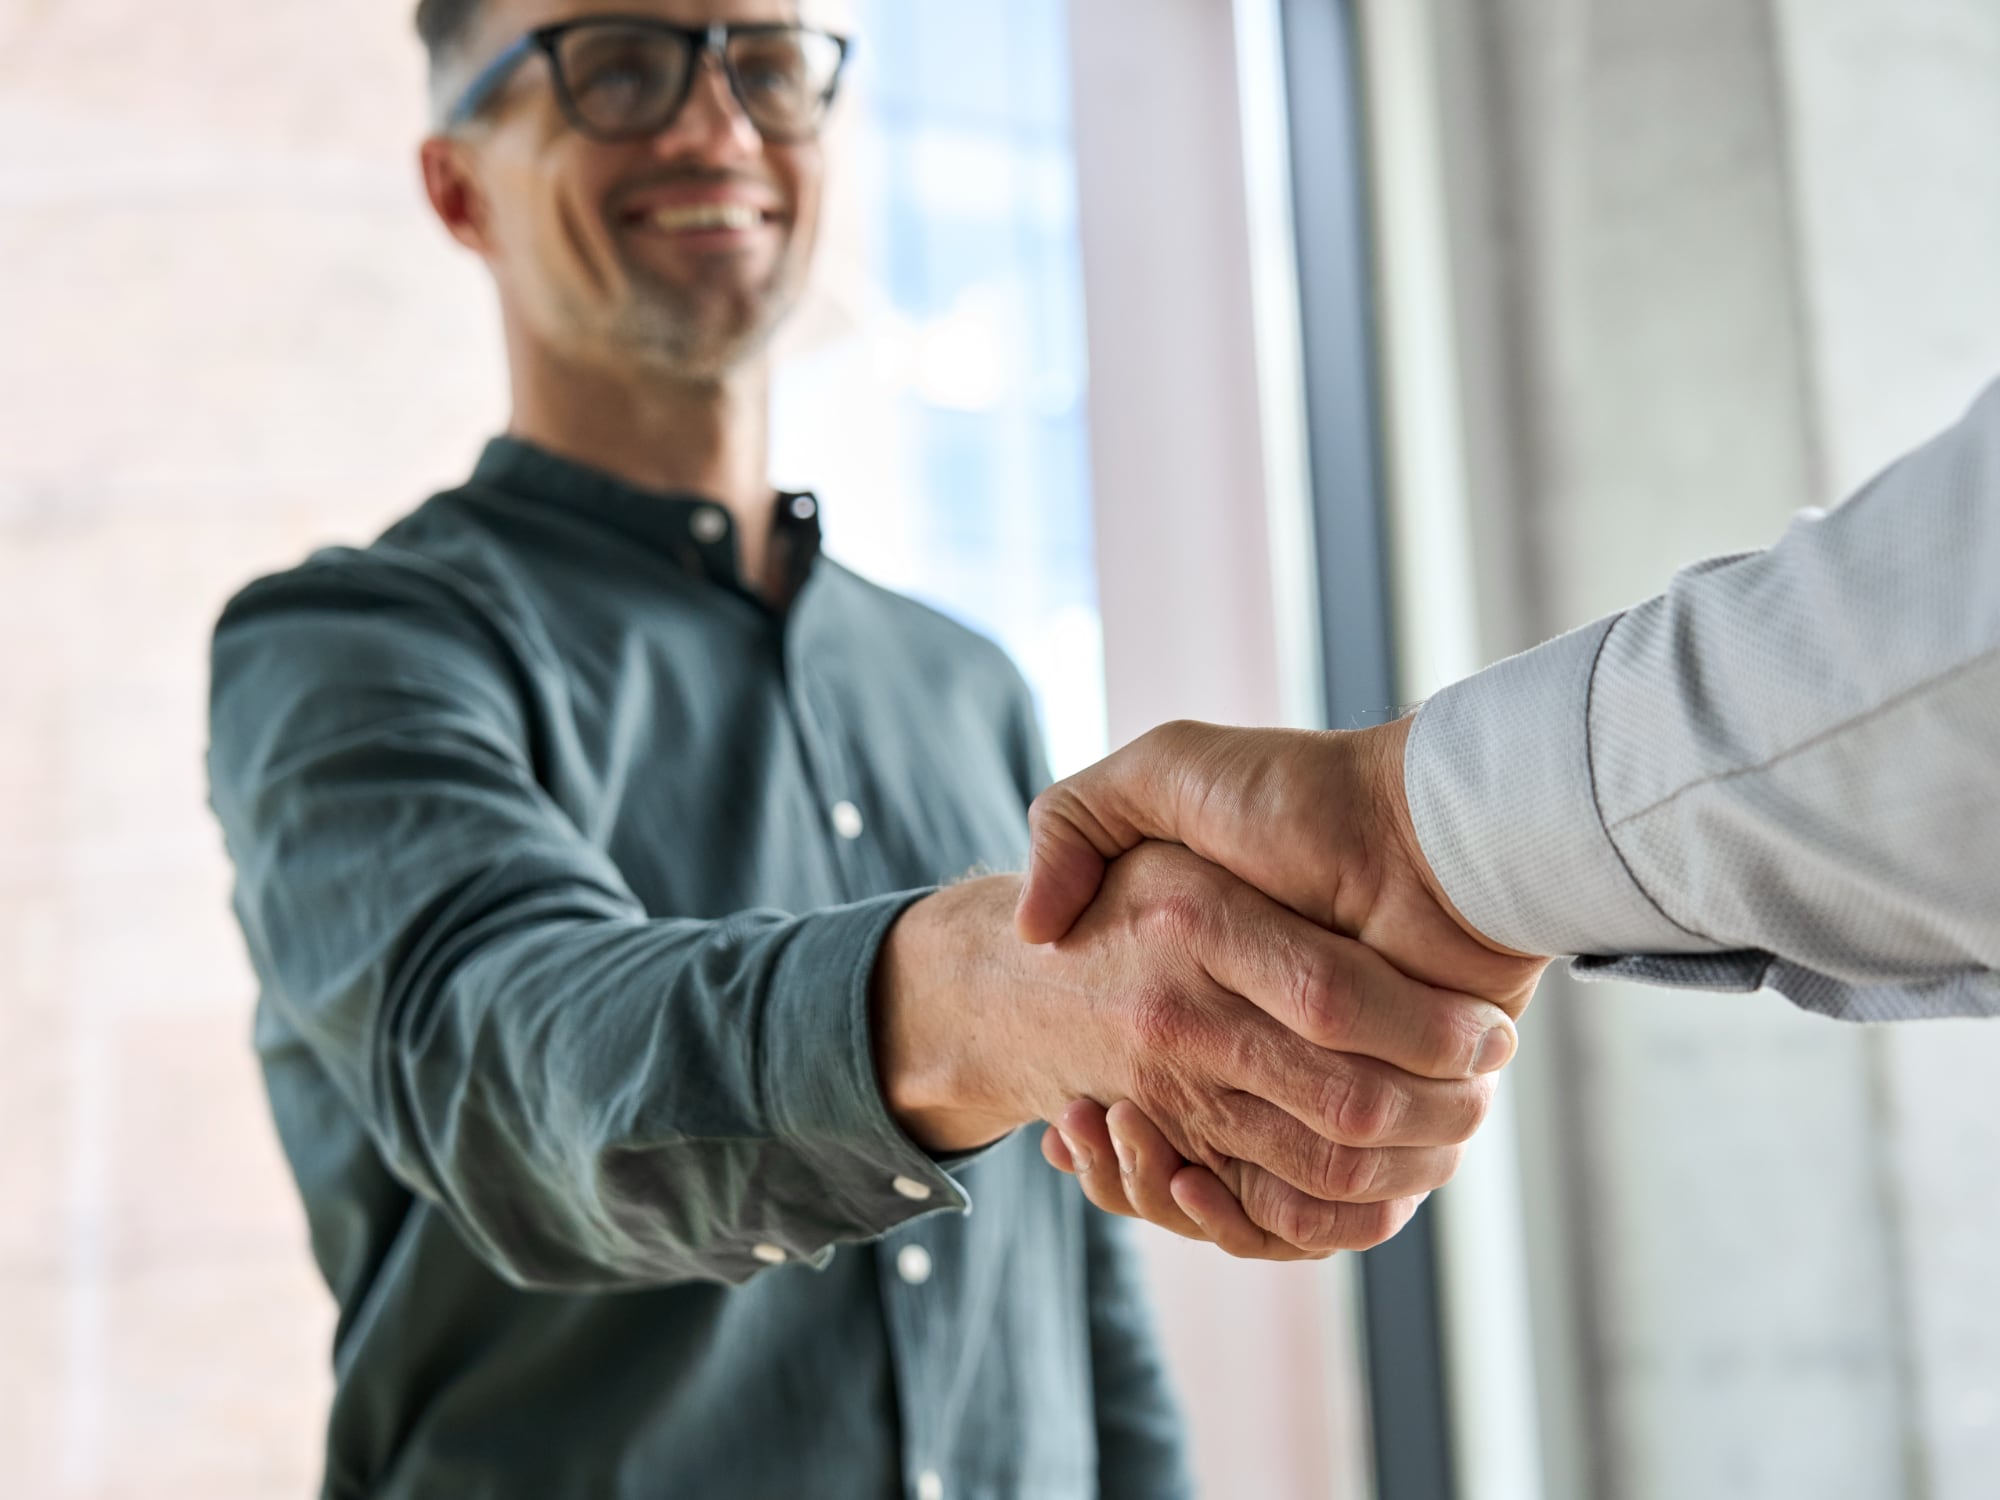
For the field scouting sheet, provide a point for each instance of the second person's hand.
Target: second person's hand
(1318, 821)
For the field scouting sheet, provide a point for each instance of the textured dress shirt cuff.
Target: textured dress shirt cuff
(819, 1076)
(1501, 792)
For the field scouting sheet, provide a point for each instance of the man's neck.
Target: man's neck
(708, 438)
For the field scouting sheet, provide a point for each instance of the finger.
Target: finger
(1314, 1225)
(1345, 997)
(1088, 1138)
(1055, 1151)
(1258, 1132)
(1080, 824)
(1147, 1163)
(1210, 1205)
(1065, 865)
(1354, 1100)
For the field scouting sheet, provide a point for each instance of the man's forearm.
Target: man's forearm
(1250, 1034)
(936, 998)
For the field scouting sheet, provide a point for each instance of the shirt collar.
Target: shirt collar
(697, 534)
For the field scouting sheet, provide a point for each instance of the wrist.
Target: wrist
(934, 996)
(1392, 797)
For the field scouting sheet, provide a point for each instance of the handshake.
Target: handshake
(1244, 1001)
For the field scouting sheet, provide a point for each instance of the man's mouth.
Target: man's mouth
(693, 218)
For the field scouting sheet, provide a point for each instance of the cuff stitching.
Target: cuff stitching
(1597, 803)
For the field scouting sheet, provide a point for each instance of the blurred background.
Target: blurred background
(1256, 360)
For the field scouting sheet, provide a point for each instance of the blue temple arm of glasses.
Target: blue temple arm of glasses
(488, 82)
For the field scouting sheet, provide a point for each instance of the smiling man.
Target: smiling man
(637, 1050)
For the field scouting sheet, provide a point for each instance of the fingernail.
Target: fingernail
(1078, 1157)
(1124, 1154)
(1199, 1222)
(1494, 1050)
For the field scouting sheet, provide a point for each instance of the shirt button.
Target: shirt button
(847, 820)
(912, 1189)
(929, 1486)
(804, 507)
(709, 524)
(771, 1255)
(913, 1264)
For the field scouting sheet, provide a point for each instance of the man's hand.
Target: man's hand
(1319, 822)
(1336, 1089)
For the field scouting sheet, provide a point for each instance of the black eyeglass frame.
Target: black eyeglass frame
(711, 40)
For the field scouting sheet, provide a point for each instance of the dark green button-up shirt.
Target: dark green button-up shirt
(563, 862)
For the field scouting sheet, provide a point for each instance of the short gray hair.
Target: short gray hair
(445, 28)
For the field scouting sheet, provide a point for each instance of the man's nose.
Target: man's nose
(712, 121)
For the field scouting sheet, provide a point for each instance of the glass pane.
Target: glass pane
(966, 368)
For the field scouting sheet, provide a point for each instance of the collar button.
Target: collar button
(709, 525)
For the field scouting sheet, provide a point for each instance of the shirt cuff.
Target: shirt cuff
(1499, 780)
(819, 1081)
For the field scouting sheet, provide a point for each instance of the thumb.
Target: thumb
(1078, 826)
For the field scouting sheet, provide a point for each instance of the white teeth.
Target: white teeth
(708, 216)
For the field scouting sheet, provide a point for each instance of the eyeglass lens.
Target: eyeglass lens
(623, 81)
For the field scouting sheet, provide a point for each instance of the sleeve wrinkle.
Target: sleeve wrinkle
(1597, 799)
(1911, 694)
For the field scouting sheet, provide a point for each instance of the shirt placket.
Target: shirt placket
(913, 1277)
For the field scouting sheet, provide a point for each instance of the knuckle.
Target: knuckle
(1178, 918)
(1321, 1229)
(1295, 1227)
(1475, 1101)
(1292, 1219)
(1359, 1106)
(1162, 1025)
(1299, 1221)
(1346, 1173)
(1323, 998)
(1045, 804)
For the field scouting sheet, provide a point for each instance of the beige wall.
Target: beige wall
(225, 333)
(1721, 259)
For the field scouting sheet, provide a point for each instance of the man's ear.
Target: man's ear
(454, 192)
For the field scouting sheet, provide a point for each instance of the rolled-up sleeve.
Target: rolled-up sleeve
(1783, 772)
(597, 1097)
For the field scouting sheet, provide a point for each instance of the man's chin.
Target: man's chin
(707, 340)
(704, 355)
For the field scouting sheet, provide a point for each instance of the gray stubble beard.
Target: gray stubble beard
(663, 329)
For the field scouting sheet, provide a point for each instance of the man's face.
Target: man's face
(622, 254)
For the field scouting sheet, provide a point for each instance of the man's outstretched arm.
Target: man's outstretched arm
(1783, 772)
(1786, 770)
(599, 1096)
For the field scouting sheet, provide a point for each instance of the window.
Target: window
(939, 408)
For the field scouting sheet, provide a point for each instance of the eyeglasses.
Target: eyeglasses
(622, 78)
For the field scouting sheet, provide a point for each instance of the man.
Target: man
(1784, 772)
(589, 829)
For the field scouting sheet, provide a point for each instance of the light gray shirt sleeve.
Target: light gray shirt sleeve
(1784, 771)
